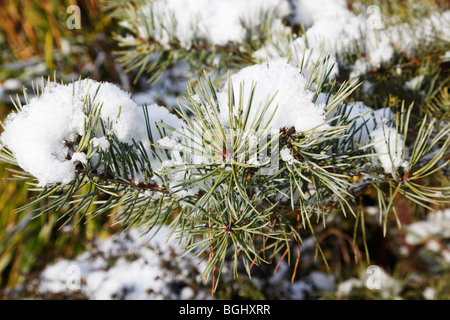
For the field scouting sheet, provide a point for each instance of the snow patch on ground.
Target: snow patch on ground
(127, 267)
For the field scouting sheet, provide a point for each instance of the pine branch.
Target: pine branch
(154, 43)
(235, 180)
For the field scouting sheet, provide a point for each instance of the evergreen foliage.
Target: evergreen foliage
(214, 179)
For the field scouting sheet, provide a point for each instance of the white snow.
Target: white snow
(364, 120)
(306, 55)
(286, 155)
(334, 29)
(101, 143)
(12, 85)
(219, 21)
(80, 157)
(292, 101)
(379, 281)
(414, 83)
(40, 133)
(436, 224)
(37, 135)
(170, 143)
(388, 146)
(127, 118)
(43, 135)
(345, 287)
(138, 270)
(369, 126)
(379, 45)
(337, 35)
(308, 12)
(429, 293)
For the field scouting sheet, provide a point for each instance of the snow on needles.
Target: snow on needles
(292, 104)
(286, 155)
(308, 12)
(219, 21)
(388, 145)
(368, 126)
(332, 28)
(39, 135)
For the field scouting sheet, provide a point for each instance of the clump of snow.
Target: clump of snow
(431, 235)
(388, 146)
(366, 126)
(337, 35)
(80, 157)
(302, 52)
(362, 119)
(292, 102)
(39, 135)
(437, 224)
(126, 117)
(286, 155)
(375, 279)
(429, 293)
(12, 85)
(308, 12)
(170, 143)
(376, 127)
(332, 28)
(219, 21)
(101, 143)
(345, 287)
(415, 82)
(379, 45)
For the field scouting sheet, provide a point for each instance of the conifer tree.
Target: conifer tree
(292, 114)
